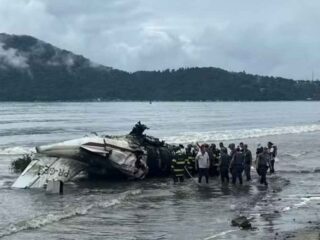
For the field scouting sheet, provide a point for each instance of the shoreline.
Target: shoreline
(154, 101)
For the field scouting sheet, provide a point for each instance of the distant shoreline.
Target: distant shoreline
(51, 74)
(146, 101)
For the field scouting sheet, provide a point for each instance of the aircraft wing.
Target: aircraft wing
(42, 170)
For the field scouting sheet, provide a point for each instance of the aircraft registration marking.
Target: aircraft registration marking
(52, 171)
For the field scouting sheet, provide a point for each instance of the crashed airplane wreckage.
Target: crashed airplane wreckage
(134, 156)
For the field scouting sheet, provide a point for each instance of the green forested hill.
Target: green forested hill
(32, 70)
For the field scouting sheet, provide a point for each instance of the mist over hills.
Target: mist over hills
(33, 70)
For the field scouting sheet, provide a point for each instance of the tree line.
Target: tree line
(57, 83)
(82, 81)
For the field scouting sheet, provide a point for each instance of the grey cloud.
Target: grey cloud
(65, 60)
(264, 37)
(10, 57)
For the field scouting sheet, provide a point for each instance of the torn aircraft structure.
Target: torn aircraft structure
(134, 156)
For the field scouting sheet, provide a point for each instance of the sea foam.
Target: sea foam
(210, 136)
(17, 150)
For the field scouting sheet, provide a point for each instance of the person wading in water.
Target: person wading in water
(272, 151)
(236, 166)
(247, 161)
(263, 165)
(203, 163)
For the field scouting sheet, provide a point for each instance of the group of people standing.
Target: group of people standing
(207, 160)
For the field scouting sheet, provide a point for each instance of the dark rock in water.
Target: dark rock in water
(241, 222)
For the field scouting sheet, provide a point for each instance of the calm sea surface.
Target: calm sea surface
(156, 208)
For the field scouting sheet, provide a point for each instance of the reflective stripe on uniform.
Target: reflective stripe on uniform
(178, 166)
(180, 163)
(191, 163)
(179, 174)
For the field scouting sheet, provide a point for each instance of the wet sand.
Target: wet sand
(310, 233)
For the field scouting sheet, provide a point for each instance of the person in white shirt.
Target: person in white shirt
(272, 151)
(202, 164)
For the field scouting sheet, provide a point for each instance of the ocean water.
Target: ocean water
(157, 208)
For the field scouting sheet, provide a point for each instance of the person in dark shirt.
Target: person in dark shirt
(258, 151)
(263, 165)
(241, 146)
(214, 160)
(222, 147)
(236, 166)
(224, 164)
(232, 148)
(247, 161)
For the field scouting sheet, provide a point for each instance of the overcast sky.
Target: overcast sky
(268, 37)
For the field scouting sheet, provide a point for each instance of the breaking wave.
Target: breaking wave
(16, 150)
(240, 134)
(43, 220)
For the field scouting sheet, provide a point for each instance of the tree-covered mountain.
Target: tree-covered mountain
(32, 70)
